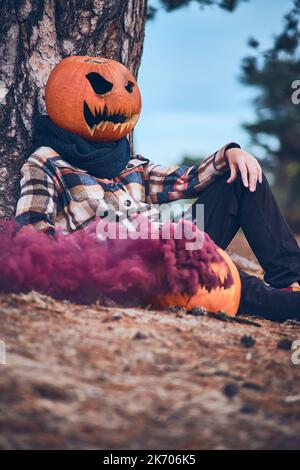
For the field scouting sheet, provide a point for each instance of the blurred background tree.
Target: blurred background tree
(171, 5)
(277, 125)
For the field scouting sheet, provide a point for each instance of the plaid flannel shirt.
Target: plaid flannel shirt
(55, 194)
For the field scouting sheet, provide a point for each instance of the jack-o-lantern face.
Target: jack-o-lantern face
(94, 97)
(225, 297)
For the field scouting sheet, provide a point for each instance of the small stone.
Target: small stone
(285, 344)
(248, 409)
(292, 399)
(140, 335)
(197, 311)
(248, 341)
(230, 390)
(117, 316)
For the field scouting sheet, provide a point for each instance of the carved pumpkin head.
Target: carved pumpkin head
(94, 97)
(223, 297)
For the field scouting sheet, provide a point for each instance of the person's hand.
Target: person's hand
(247, 165)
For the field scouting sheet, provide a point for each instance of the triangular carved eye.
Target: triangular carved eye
(98, 83)
(129, 86)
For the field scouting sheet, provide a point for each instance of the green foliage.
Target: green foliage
(273, 72)
(151, 12)
(171, 5)
(229, 5)
(190, 160)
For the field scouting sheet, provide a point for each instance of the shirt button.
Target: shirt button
(127, 202)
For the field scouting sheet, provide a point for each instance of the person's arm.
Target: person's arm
(167, 184)
(36, 206)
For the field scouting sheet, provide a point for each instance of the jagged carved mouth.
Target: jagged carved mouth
(94, 119)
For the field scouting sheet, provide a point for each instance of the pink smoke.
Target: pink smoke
(81, 268)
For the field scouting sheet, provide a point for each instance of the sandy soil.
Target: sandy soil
(108, 377)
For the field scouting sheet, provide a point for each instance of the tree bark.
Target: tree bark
(34, 36)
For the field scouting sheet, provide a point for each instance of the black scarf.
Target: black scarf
(99, 159)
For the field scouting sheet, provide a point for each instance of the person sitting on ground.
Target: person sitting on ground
(82, 163)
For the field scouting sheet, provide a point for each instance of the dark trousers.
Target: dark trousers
(228, 207)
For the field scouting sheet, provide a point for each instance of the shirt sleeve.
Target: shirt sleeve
(166, 184)
(36, 206)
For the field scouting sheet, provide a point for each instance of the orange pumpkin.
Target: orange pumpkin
(218, 299)
(94, 97)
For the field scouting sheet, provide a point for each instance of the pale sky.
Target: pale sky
(192, 100)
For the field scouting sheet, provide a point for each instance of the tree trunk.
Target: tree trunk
(34, 36)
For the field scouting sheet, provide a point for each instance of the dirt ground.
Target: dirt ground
(95, 377)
